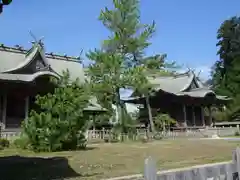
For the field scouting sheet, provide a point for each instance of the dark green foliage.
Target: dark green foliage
(163, 120)
(4, 143)
(226, 71)
(22, 142)
(62, 122)
(124, 49)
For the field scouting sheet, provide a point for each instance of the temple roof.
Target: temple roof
(175, 84)
(15, 59)
(184, 84)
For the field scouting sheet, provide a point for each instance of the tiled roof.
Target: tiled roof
(15, 58)
(180, 85)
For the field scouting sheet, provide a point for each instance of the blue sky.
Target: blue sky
(186, 29)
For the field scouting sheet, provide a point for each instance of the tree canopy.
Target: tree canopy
(226, 70)
(62, 122)
(121, 53)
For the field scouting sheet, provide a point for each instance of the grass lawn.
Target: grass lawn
(110, 160)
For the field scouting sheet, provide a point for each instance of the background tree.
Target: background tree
(163, 120)
(102, 91)
(226, 71)
(150, 67)
(124, 49)
(62, 121)
(4, 3)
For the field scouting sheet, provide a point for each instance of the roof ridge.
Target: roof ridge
(21, 50)
(187, 73)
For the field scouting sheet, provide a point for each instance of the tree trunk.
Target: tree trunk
(118, 107)
(152, 127)
(119, 112)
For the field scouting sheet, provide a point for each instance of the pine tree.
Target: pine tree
(61, 123)
(123, 50)
(139, 79)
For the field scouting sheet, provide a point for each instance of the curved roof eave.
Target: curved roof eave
(26, 77)
(199, 93)
(28, 59)
(190, 80)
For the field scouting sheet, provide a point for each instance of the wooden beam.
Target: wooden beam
(26, 106)
(210, 115)
(184, 116)
(4, 111)
(193, 116)
(202, 116)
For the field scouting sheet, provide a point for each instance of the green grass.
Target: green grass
(110, 160)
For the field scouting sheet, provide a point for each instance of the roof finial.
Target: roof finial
(33, 36)
(36, 41)
(80, 55)
(189, 70)
(199, 73)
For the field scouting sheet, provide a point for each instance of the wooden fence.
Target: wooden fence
(220, 171)
(141, 133)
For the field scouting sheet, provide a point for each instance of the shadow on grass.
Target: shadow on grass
(37, 168)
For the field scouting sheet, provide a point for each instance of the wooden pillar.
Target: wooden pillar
(193, 116)
(1, 107)
(4, 111)
(202, 116)
(210, 115)
(26, 106)
(184, 116)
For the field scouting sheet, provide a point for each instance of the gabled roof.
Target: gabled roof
(175, 84)
(181, 85)
(13, 59)
(25, 77)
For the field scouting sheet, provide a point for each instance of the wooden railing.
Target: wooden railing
(226, 171)
(189, 133)
(141, 133)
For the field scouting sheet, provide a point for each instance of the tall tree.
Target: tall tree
(150, 68)
(123, 50)
(226, 71)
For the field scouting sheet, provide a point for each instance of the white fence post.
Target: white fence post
(150, 170)
(219, 171)
(236, 160)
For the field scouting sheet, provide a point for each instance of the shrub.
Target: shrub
(62, 122)
(4, 143)
(237, 133)
(22, 142)
(114, 141)
(158, 136)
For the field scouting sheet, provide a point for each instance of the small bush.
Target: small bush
(237, 133)
(109, 140)
(114, 140)
(144, 139)
(106, 139)
(158, 136)
(4, 143)
(62, 126)
(22, 142)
